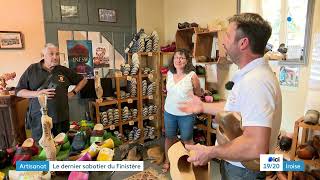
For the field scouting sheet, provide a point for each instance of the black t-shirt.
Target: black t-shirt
(61, 78)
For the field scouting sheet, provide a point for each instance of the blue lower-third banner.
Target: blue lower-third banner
(79, 166)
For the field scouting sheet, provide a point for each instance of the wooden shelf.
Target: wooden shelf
(126, 77)
(148, 97)
(309, 126)
(187, 30)
(128, 99)
(167, 53)
(202, 126)
(150, 117)
(300, 136)
(145, 75)
(127, 121)
(106, 102)
(137, 102)
(146, 53)
(108, 126)
(184, 38)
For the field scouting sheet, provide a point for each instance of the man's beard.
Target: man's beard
(233, 59)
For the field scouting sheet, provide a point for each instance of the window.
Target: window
(290, 21)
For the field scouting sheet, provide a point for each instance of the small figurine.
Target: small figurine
(98, 87)
(3, 78)
(283, 50)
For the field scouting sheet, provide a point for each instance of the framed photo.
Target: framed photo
(11, 40)
(107, 15)
(69, 11)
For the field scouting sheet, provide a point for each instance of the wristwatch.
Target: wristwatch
(74, 92)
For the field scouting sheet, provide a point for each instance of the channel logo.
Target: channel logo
(271, 162)
(273, 159)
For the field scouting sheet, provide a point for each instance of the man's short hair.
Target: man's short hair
(255, 28)
(46, 46)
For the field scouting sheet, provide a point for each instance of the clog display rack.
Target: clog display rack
(133, 115)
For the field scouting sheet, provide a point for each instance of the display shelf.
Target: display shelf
(150, 117)
(146, 53)
(111, 126)
(301, 134)
(129, 100)
(184, 38)
(150, 60)
(129, 121)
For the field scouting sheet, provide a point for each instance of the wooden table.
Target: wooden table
(12, 124)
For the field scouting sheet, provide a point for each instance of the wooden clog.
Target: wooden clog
(230, 128)
(180, 168)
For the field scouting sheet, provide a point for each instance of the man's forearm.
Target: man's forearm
(240, 149)
(25, 93)
(213, 108)
(80, 85)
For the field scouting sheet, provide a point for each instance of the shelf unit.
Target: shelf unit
(305, 130)
(151, 60)
(202, 47)
(117, 103)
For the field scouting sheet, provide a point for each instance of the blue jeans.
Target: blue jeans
(231, 172)
(184, 124)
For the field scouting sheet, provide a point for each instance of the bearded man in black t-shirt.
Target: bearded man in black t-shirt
(50, 78)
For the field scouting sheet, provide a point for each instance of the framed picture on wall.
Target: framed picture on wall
(69, 11)
(11, 40)
(107, 15)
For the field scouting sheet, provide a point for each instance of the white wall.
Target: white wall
(26, 17)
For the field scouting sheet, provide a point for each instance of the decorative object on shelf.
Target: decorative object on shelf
(3, 82)
(46, 141)
(285, 143)
(312, 117)
(148, 44)
(187, 25)
(155, 41)
(217, 24)
(168, 48)
(306, 151)
(283, 50)
(107, 15)
(11, 40)
(98, 87)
